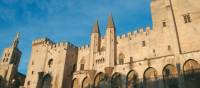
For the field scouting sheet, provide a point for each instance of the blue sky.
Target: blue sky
(66, 20)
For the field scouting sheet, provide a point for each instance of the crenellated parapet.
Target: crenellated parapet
(43, 41)
(65, 44)
(135, 34)
(84, 47)
(51, 44)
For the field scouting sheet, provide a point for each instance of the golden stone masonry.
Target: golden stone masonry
(166, 56)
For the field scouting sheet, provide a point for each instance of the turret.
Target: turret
(94, 43)
(16, 41)
(12, 54)
(96, 37)
(110, 43)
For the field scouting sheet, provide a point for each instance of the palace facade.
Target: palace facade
(164, 56)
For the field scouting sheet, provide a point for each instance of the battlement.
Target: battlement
(135, 34)
(84, 47)
(52, 44)
(64, 44)
(43, 41)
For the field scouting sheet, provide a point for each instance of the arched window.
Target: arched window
(46, 81)
(169, 75)
(191, 73)
(150, 78)
(116, 81)
(121, 58)
(82, 63)
(132, 80)
(50, 62)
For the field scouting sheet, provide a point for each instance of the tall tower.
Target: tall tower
(110, 43)
(94, 43)
(12, 54)
(9, 64)
(164, 21)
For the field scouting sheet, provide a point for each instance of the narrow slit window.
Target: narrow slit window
(143, 43)
(164, 24)
(131, 59)
(169, 47)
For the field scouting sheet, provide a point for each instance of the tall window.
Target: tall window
(121, 61)
(187, 18)
(82, 63)
(121, 58)
(82, 67)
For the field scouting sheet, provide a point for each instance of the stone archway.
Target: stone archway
(191, 69)
(170, 76)
(116, 81)
(1, 81)
(46, 81)
(75, 83)
(150, 78)
(86, 83)
(132, 79)
(100, 81)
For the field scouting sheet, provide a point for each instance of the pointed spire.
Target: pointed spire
(110, 22)
(96, 27)
(16, 40)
